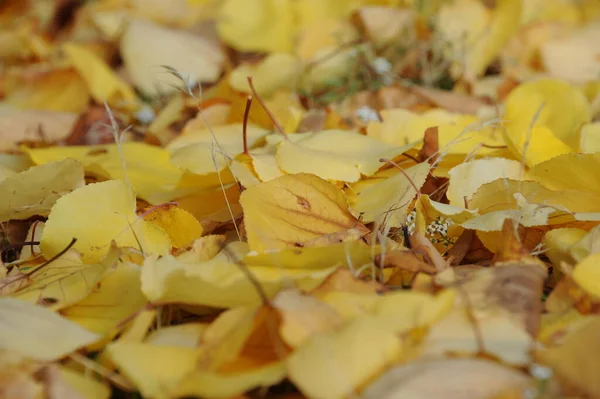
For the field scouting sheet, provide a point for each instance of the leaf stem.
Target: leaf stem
(245, 125)
(269, 113)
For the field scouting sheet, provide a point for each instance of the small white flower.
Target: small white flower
(540, 372)
(145, 114)
(367, 114)
(381, 65)
(411, 221)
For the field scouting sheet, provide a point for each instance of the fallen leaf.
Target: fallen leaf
(30, 325)
(337, 364)
(257, 26)
(571, 361)
(223, 279)
(448, 378)
(21, 194)
(387, 200)
(65, 281)
(108, 207)
(103, 84)
(335, 155)
(116, 298)
(278, 213)
(181, 227)
(29, 125)
(195, 58)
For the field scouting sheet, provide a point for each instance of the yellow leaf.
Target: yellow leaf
(336, 364)
(104, 85)
(203, 383)
(303, 316)
(477, 35)
(276, 71)
(570, 171)
(260, 166)
(97, 214)
(560, 244)
(335, 155)
(501, 337)
(590, 138)
(457, 133)
(257, 25)
(65, 281)
(555, 109)
(194, 57)
(322, 38)
(450, 379)
(181, 227)
(117, 298)
(387, 200)
(59, 90)
(220, 282)
(210, 150)
(467, 177)
(385, 25)
(36, 190)
(404, 311)
(32, 327)
(572, 362)
(185, 335)
(241, 350)
(202, 249)
(154, 369)
(587, 274)
(352, 253)
(153, 177)
(536, 144)
(295, 210)
(505, 21)
(84, 384)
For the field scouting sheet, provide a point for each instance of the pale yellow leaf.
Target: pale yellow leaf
(336, 364)
(467, 177)
(448, 379)
(387, 199)
(32, 328)
(36, 190)
(194, 57)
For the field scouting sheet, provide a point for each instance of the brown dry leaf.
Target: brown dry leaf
(300, 210)
(58, 90)
(17, 126)
(404, 260)
(342, 280)
(450, 101)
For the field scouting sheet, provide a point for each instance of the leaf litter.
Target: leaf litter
(311, 198)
